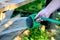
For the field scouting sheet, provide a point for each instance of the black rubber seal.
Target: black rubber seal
(29, 22)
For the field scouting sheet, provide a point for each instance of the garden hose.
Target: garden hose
(36, 24)
(46, 19)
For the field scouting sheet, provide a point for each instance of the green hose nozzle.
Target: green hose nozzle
(36, 24)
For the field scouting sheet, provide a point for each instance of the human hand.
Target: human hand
(44, 13)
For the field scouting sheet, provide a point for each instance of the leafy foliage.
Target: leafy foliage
(58, 17)
(35, 6)
(37, 34)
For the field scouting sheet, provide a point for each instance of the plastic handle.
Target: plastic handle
(48, 19)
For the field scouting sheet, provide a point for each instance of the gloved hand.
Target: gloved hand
(44, 13)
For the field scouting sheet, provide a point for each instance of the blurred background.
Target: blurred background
(23, 8)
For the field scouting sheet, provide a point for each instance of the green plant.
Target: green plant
(35, 6)
(37, 34)
(32, 7)
(58, 17)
